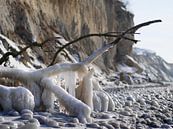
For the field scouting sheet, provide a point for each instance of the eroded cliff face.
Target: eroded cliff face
(155, 67)
(26, 21)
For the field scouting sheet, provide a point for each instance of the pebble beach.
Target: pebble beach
(136, 108)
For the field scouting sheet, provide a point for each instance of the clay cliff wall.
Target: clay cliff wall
(25, 21)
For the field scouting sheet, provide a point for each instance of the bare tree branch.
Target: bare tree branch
(131, 30)
(5, 56)
(87, 36)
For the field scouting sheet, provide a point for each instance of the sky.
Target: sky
(159, 36)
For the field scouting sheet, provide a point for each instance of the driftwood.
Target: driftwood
(39, 81)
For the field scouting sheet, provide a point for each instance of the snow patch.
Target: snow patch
(11, 43)
(125, 68)
(167, 66)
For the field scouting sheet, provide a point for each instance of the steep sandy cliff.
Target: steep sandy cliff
(25, 21)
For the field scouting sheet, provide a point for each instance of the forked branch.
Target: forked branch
(119, 36)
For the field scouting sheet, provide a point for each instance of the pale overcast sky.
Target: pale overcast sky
(157, 37)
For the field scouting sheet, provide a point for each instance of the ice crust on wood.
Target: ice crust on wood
(16, 98)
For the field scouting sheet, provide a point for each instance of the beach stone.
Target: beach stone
(148, 121)
(164, 110)
(155, 103)
(26, 111)
(141, 101)
(130, 98)
(45, 113)
(125, 113)
(29, 126)
(33, 120)
(153, 107)
(62, 124)
(27, 116)
(41, 119)
(166, 126)
(63, 120)
(13, 113)
(114, 124)
(168, 120)
(140, 126)
(124, 126)
(145, 115)
(74, 120)
(52, 123)
(154, 124)
(105, 116)
(128, 109)
(20, 124)
(108, 126)
(128, 103)
(92, 125)
(70, 125)
(143, 121)
(136, 105)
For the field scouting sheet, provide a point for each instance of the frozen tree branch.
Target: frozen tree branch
(38, 81)
(86, 36)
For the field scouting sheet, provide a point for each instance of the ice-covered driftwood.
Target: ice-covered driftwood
(16, 98)
(40, 83)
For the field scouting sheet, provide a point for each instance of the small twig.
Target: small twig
(5, 56)
(100, 51)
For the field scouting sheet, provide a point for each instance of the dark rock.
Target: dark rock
(145, 115)
(168, 120)
(131, 98)
(166, 126)
(128, 103)
(41, 119)
(154, 124)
